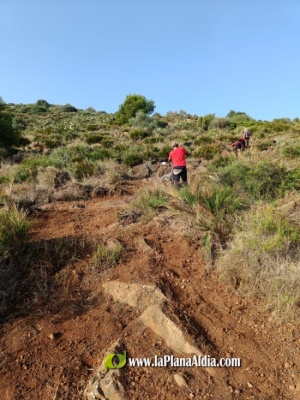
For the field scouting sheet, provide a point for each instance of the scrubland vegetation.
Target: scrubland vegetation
(243, 211)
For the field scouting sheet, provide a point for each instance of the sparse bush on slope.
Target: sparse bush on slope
(263, 259)
(14, 230)
(260, 180)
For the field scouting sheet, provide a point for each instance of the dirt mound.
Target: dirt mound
(52, 348)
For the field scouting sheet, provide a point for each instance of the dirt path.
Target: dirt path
(52, 349)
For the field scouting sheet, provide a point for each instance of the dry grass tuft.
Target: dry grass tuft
(263, 259)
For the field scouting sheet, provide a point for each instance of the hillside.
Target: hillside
(98, 255)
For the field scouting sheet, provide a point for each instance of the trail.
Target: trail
(52, 349)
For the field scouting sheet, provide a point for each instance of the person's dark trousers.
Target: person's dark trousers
(247, 142)
(181, 175)
(237, 147)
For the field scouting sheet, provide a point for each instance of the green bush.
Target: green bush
(203, 139)
(52, 142)
(211, 206)
(69, 108)
(92, 127)
(138, 134)
(281, 125)
(22, 174)
(8, 135)
(238, 119)
(144, 121)
(92, 139)
(132, 104)
(260, 180)
(220, 123)
(204, 121)
(291, 181)
(220, 162)
(265, 145)
(60, 157)
(207, 151)
(263, 260)
(149, 202)
(154, 139)
(14, 230)
(80, 153)
(107, 143)
(84, 169)
(106, 258)
(132, 159)
(291, 151)
(4, 179)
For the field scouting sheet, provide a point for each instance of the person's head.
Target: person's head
(175, 145)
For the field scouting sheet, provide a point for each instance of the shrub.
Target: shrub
(4, 179)
(220, 162)
(107, 143)
(132, 159)
(212, 208)
(291, 151)
(261, 181)
(220, 123)
(105, 257)
(204, 122)
(207, 151)
(263, 259)
(132, 104)
(154, 139)
(97, 138)
(138, 134)
(69, 108)
(238, 119)
(291, 181)
(60, 157)
(264, 146)
(23, 174)
(98, 153)
(14, 230)
(281, 124)
(33, 269)
(144, 121)
(92, 127)
(203, 139)
(149, 202)
(8, 135)
(83, 169)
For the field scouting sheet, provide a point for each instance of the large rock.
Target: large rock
(134, 294)
(150, 299)
(107, 385)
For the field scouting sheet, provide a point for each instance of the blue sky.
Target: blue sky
(200, 56)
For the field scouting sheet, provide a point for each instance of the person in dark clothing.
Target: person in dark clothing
(179, 171)
(238, 145)
(243, 141)
(247, 135)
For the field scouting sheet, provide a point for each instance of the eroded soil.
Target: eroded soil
(50, 348)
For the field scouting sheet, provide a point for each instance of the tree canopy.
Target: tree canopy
(8, 136)
(132, 104)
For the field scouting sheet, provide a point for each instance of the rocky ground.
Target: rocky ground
(159, 300)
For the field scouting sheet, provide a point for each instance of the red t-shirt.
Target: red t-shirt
(178, 157)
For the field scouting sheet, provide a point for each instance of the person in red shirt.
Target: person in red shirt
(238, 145)
(177, 156)
(243, 141)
